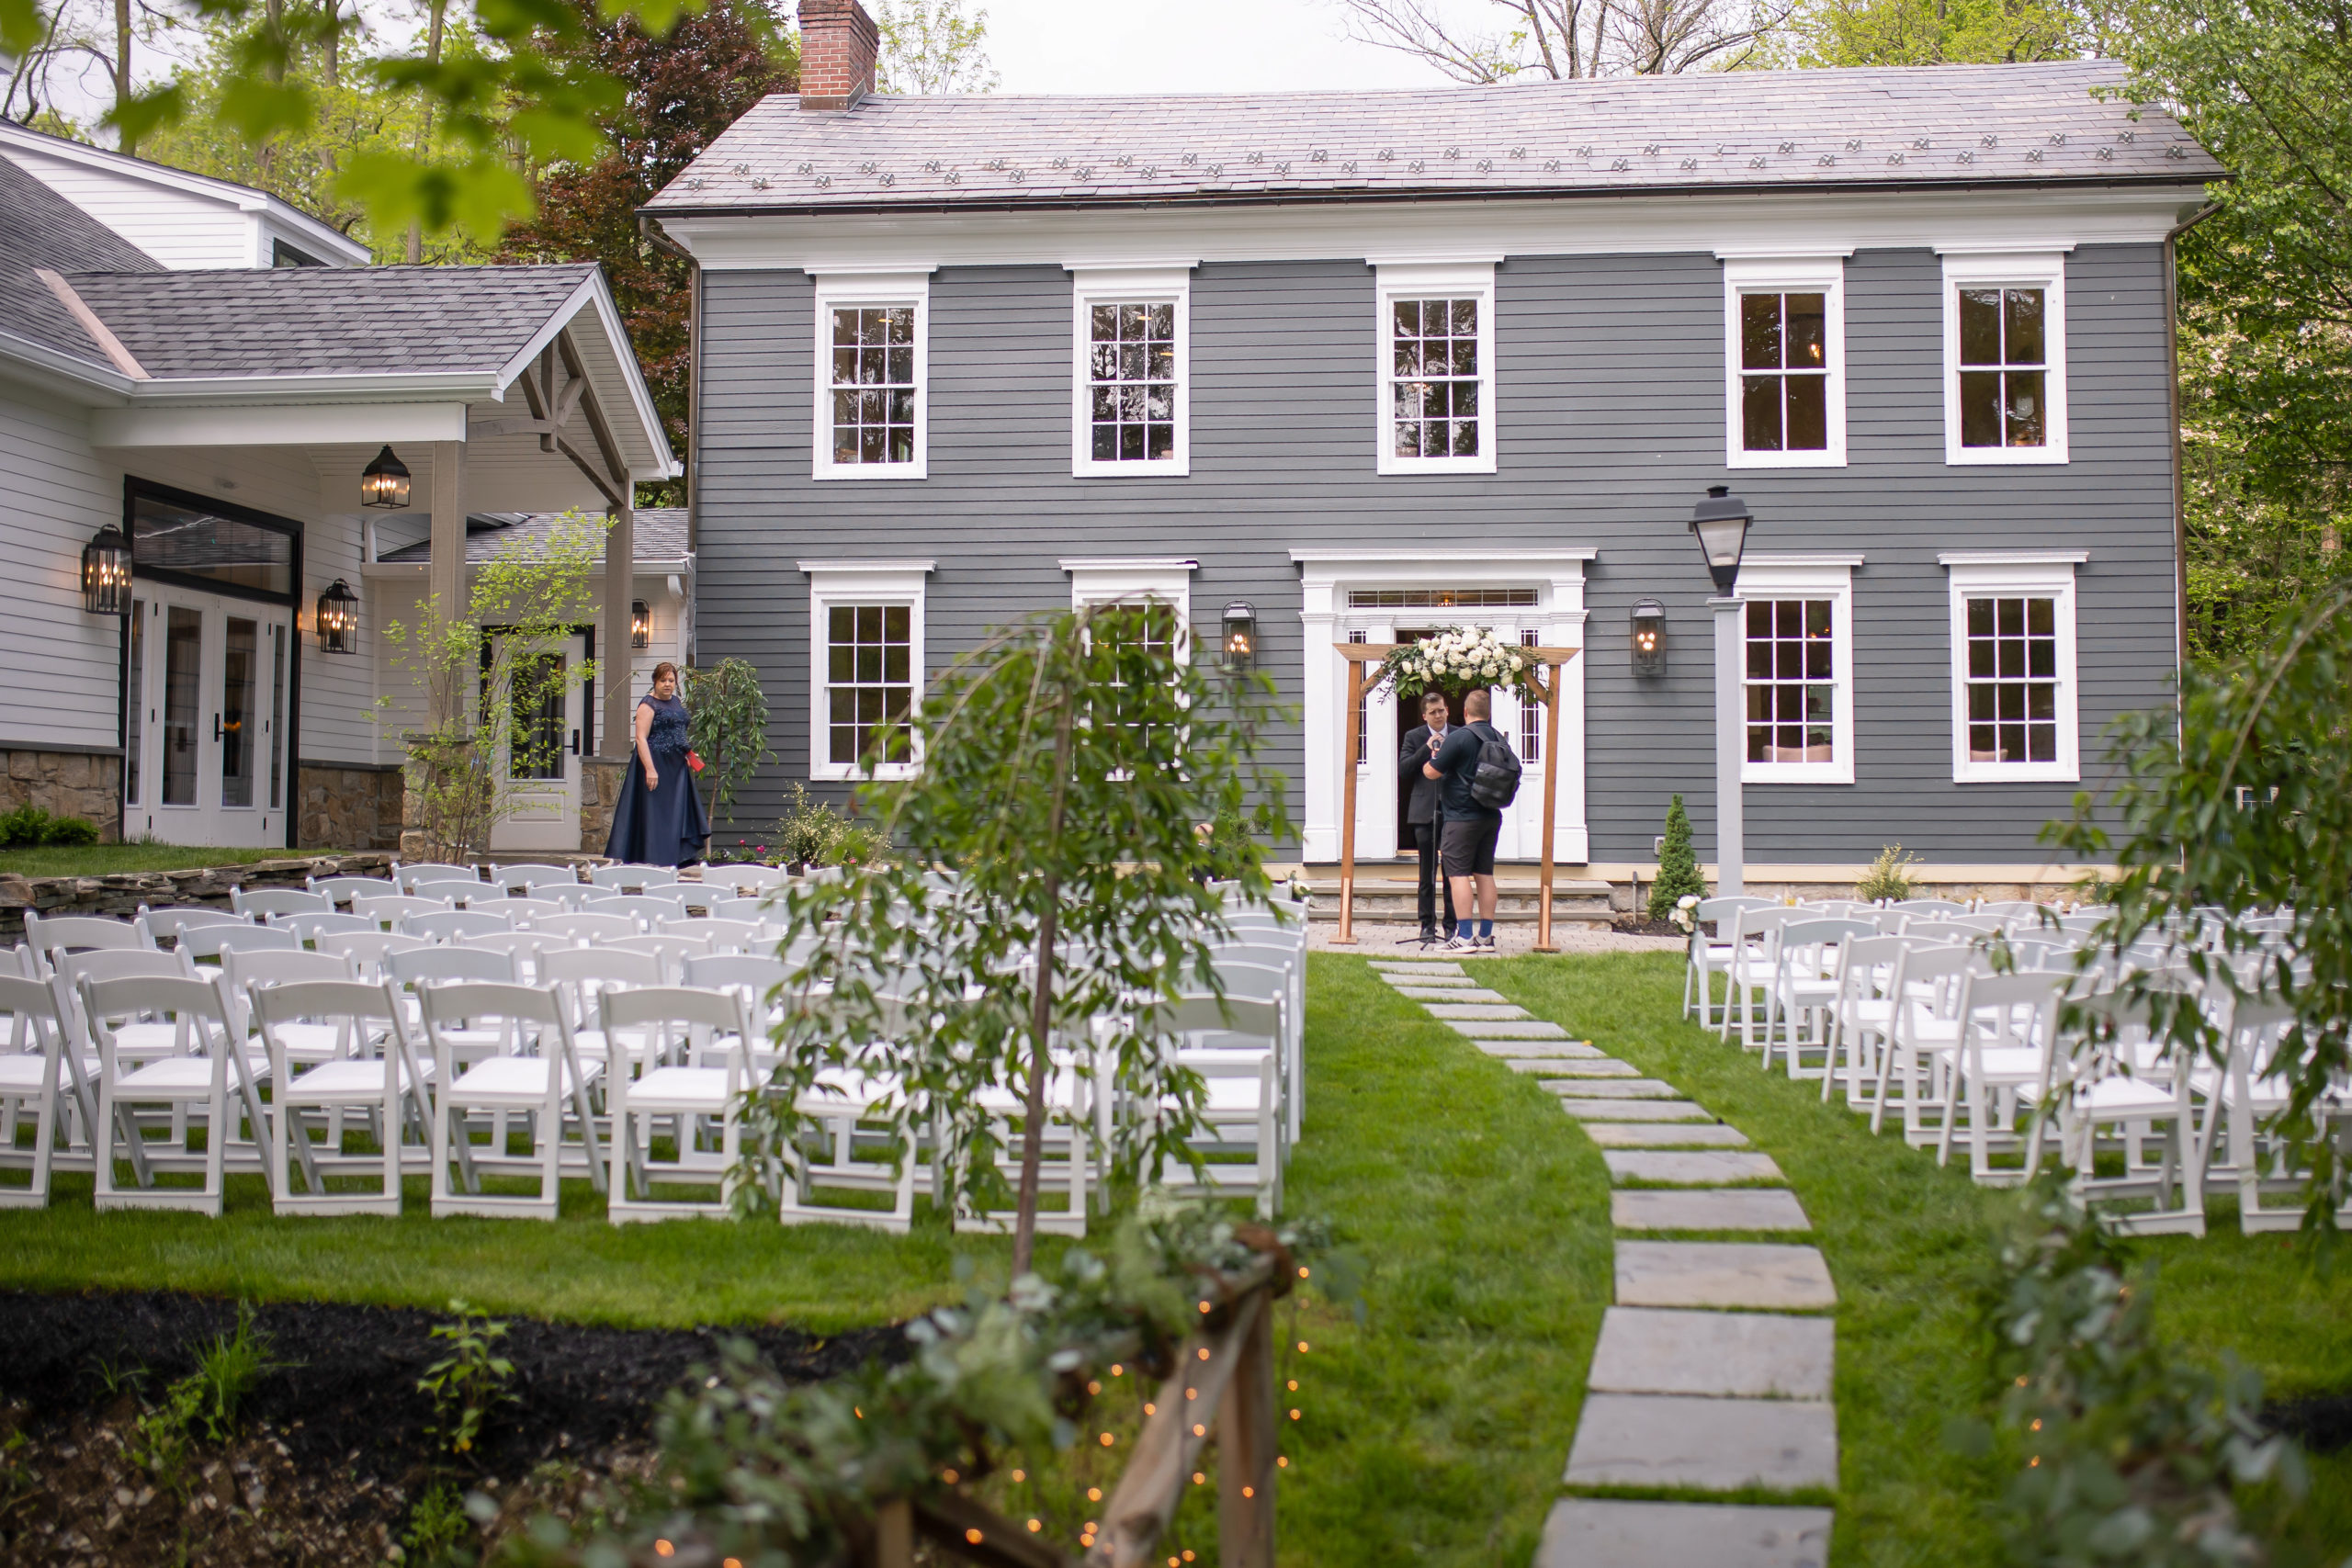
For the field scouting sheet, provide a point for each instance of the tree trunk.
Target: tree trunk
(124, 142)
(1041, 1063)
(425, 136)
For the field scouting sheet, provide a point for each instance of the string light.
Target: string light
(1293, 1414)
(1302, 1271)
(1282, 1461)
(1201, 1431)
(1204, 1307)
(948, 1476)
(1020, 1476)
(1106, 1439)
(663, 1549)
(1117, 1371)
(1205, 1353)
(972, 1538)
(1093, 1387)
(1191, 1393)
(1248, 1492)
(1200, 1478)
(1293, 1385)
(1093, 1494)
(1149, 1408)
(1036, 1525)
(1302, 1347)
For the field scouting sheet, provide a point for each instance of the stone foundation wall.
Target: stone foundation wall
(600, 794)
(66, 784)
(348, 807)
(123, 893)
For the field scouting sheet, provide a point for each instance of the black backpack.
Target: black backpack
(1496, 783)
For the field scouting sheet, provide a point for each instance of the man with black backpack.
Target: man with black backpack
(1477, 776)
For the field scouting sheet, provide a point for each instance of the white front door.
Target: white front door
(542, 761)
(206, 761)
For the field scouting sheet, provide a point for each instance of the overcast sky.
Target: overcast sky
(1190, 46)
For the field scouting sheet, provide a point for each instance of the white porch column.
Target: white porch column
(1731, 852)
(445, 585)
(1564, 627)
(1323, 687)
(613, 628)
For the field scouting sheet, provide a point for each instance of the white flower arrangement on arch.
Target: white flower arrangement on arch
(1456, 659)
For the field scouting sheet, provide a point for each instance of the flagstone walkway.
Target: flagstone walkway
(1713, 1368)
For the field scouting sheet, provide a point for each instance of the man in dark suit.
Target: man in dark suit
(1421, 809)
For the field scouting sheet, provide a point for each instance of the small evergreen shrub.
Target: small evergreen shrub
(28, 824)
(1678, 866)
(1889, 877)
(69, 831)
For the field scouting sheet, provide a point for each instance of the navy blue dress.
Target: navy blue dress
(665, 826)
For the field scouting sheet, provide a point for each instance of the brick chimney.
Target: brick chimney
(838, 41)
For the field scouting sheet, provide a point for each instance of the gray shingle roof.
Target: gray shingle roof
(40, 228)
(1724, 131)
(660, 535)
(314, 320)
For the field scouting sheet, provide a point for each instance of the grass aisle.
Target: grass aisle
(1435, 1433)
(1910, 1248)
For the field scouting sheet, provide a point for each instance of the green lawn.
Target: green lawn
(1434, 1429)
(106, 860)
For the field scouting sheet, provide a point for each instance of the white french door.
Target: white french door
(542, 761)
(204, 760)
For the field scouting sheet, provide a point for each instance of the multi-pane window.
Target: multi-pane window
(1784, 372)
(1792, 680)
(2012, 679)
(2003, 367)
(1435, 386)
(873, 384)
(869, 682)
(1131, 382)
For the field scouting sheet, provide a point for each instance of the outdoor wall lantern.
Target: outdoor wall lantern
(640, 624)
(1649, 638)
(384, 482)
(339, 619)
(1240, 633)
(1721, 522)
(105, 573)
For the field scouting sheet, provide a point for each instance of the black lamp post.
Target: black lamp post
(339, 619)
(640, 624)
(105, 573)
(1649, 638)
(1719, 521)
(1240, 633)
(384, 482)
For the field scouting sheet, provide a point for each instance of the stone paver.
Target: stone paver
(1691, 1167)
(1590, 1067)
(1623, 1089)
(1634, 1110)
(1397, 968)
(1591, 1533)
(1749, 1355)
(1666, 1136)
(1510, 1028)
(1457, 994)
(1649, 1439)
(1529, 1049)
(1479, 1013)
(1723, 1274)
(1708, 1208)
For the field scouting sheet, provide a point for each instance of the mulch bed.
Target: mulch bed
(1641, 925)
(332, 1447)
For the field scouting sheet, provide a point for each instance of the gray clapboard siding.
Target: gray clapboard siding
(1609, 410)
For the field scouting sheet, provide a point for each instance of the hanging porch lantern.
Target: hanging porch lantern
(1241, 634)
(1649, 638)
(384, 482)
(105, 573)
(339, 619)
(640, 624)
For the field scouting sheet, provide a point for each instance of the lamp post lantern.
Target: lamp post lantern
(1719, 523)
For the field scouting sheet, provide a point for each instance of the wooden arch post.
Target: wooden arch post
(1361, 656)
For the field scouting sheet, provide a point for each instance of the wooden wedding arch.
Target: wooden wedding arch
(1360, 655)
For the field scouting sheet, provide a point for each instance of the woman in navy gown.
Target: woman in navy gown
(660, 819)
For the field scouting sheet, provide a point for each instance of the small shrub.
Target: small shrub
(1889, 877)
(808, 828)
(24, 827)
(1678, 866)
(209, 1397)
(437, 1526)
(468, 1383)
(69, 832)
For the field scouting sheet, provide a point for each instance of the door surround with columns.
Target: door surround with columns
(1327, 580)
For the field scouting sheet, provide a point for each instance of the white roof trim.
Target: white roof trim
(1437, 556)
(340, 387)
(245, 198)
(2013, 557)
(864, 563)
(593, 290)
(49, 363)
(1130, 563)
(1796, 557)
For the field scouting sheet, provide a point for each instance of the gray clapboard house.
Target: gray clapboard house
(1376, 363)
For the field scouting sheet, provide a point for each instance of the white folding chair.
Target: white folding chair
(674, 950)
(206, 944)
(368, 949)
(169, 925)
(589, 927)
(644, 908)
(2249, 1092)
(305, 1046)
(752, 911)
(1804, 985)
(1710, 956)
(456, 925)
(42, 1075)
(390, 1089)
(525, 877)
(1241, 1112)
(342, 890)
(841, 1099)
(539, 1080)
(47, 937)
(724, 936)
(135, 1040)
(2112, 1074)
(1919, 1044)
(582, 976)
(423, 874)
(744, 877)
(625, 877)
(308, 928)
(200, 1080)
(262, 903)
(1862, 1017)
(386, 912)
(2007, 1030)
(694, 1095)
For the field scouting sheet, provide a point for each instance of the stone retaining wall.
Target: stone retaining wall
(66, 784)
(121, 893)
(349, 806)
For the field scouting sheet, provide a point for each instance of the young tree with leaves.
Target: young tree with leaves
(1568, 38)
(930, 46)
(1047, 883)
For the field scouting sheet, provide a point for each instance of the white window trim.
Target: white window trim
(1099, 580)
(1979, 572)
(1778, 274)
(844, 291)
(1807, 577)
(1396, 280)
(1135, 284)
(2045, 270)
(855, 581)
